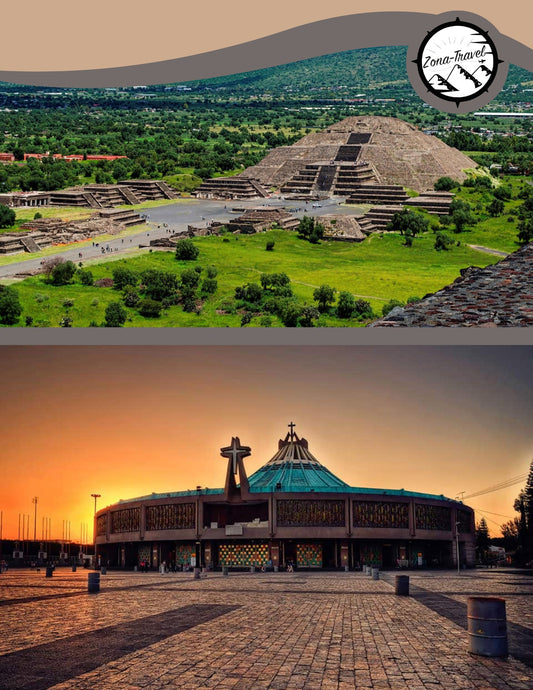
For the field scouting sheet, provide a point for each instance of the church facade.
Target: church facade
(291, 511)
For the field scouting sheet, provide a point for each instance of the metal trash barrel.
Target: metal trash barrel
(49, 570)
(103, 570)
(225, 571)
(93, 583)
(402, 585)
(375, 573)
(196, 573)
(74, 568)
(487, 626)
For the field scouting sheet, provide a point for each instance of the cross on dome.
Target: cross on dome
(292, 425)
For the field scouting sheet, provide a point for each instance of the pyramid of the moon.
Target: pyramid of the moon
(360, 150)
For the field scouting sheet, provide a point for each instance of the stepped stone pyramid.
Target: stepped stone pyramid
(360, 151)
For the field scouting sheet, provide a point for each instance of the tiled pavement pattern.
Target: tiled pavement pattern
(251, 631)
(498, 295)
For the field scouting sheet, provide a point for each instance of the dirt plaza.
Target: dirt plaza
(257, 630)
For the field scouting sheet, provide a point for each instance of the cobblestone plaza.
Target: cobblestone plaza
(257, 630)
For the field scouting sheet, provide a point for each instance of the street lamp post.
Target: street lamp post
(34, 501)
(457, 546)
(95, 496)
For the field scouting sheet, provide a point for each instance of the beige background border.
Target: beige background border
(62, 35)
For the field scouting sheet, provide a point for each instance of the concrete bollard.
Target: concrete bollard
(196, 572)
(252, 568)
(375, 573)
(93, 583)
(204, 572)
(346, 569)
(402, 585)
(225, 571)
(135, 568)
(49, 570)
(74, 568)
(487, 626)
(276, 569)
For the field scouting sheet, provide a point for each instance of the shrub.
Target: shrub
(123, 276)
(159, 284)
(131, 296)
(265, 321)
(211, 271)
(29, 320)
(86, 277)
(150, 308)
(442, 241)
(270, 245)
(363, 309)
(37, 216)
(390, 305)
(308, 316)
(66, 322)
(68, 303)
(10, 307)
(115, 315)
(290, 315)
(324, 296)
(209, 286)
(63, 273)
(246, 318)
(186, 250)
(444, 184)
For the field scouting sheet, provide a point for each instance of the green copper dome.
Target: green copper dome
(294, 468)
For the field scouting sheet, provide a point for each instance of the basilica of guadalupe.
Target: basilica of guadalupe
(291, 511)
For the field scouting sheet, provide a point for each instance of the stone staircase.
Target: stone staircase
(378, 217)
(378, 194)
(125, 217)
(436, 203)
(230, 188)
(351, 177)
(30, 244)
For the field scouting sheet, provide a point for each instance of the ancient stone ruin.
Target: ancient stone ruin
(238, 187)
(359, 151)
(45, 232)
(127, 192)
(498, 295)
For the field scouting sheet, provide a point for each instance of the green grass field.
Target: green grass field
(377, 270)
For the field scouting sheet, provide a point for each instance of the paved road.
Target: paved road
(177, 217)
(278, 631)
(488, 250)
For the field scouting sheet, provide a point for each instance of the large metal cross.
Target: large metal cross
(234, 452)
(292, 425)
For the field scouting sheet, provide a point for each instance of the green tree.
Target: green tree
(442, 242)
(495, 208)
(62, 273)
(308, 316)
(408, 223)
(159, 284)
(115, 315)
(363, 309)
(445, 184)
(345, 305)
(325, 297)
(86, 277)
(7, 216)
(186, 250)
(123, 276)
(10, 307)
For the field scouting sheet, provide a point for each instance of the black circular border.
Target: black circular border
(430, 35)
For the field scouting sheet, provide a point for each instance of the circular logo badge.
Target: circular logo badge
(457, 61)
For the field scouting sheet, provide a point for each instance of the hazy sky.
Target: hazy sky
(126, 421)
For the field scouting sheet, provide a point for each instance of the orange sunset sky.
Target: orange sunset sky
(127, 421)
